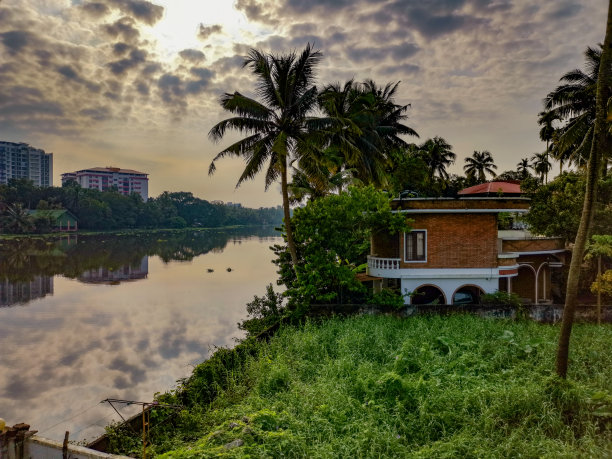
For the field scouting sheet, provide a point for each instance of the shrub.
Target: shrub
(500, 298)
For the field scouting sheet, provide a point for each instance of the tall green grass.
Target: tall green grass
(423, 387)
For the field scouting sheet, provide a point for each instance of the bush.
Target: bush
(500, 298)
(387, 297)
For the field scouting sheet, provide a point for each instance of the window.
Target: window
(415, 246)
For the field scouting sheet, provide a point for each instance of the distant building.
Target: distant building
(62, 219)
(114, 276)
(20, 160)
(102, 178)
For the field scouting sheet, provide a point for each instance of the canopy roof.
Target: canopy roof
(492, 189)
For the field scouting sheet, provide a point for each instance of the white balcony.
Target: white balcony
(383, 267)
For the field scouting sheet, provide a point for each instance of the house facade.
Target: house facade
(455, 252)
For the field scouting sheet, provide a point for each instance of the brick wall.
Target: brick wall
(456, 240)
(385, 245)
(532, 245)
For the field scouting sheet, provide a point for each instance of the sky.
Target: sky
(136, 83)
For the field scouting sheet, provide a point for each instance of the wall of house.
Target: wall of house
(456, 240)
(532, 245)
(450, 285)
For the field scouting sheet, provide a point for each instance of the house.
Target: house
(456, 250)
(63, 219)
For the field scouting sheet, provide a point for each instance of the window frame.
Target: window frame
(424, 259)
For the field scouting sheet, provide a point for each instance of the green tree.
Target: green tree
(574, 102)
(276, 125)
(597, 156)
(362, 125)
(523, 168)
(438, 154)
(541, 165)
(333, 238)
(480, 164)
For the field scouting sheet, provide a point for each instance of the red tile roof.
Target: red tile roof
(492, 189)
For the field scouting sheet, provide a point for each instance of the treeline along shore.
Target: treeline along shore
(110, 210)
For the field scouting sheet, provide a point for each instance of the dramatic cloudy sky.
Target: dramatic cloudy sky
(135, 83)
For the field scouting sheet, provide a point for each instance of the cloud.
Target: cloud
(136, 57)
(124, 28)
(192, 55)
(95, 9)
(16, 41)
(206, 31)
(142, 10)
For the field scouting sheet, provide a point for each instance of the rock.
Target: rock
(245, 419)
(234, 444)
(232, 425)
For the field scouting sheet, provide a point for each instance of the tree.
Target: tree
(480, 164)
(575, 102)
(276, 126)
(599, 246)
(596, 157)
(362, 125)
(437, 154)
(333, 238)
(522, 168)
(541, 165)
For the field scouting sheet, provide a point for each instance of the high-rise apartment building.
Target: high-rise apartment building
(20, 160)
(102, 178)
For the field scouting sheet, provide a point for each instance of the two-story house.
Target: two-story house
(456, 250)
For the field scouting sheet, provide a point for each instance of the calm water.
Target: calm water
(83, 319)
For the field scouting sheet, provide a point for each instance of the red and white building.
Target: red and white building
(456, 250)
(103, 178)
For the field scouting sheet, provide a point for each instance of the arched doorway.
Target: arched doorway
(467, 294)
(524, 285)
(428, 294)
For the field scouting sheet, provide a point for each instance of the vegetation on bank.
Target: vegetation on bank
(457, 386)
(110, 210)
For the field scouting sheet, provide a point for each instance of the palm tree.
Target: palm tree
(275, 127)
(597, 156)
(480, 164)
(541, 165)
(523, 168)
(363, 125)
(574, 102)
(437, 154)
(548, 131)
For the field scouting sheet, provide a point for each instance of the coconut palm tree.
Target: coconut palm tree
(480, 164)
(275, 124)
(363, 125)
(541, 165)
(437, 154)
(548, 131)
(598, 155)
(574, 102)
(523, 168)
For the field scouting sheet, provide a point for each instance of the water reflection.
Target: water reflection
(15, 293)
(88, 341)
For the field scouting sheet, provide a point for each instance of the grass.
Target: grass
(423, 387)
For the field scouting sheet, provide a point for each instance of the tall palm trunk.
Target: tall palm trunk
(287, 213)
(593, 171)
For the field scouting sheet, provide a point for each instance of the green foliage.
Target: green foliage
(556, 207)
(425, 387)
(387, 297)
(333, 238)
(501, 298)
(603, 284)
(263, 312)
(107, 210)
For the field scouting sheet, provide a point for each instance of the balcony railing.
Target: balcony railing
(383, 263)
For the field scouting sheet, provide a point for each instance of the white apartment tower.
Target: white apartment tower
(20, 160)
(102, 178)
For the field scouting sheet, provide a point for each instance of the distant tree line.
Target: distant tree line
(108, 210)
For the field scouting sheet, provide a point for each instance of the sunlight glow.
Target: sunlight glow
(179, 27)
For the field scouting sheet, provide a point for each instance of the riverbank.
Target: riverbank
(126, 232)
(376, 386)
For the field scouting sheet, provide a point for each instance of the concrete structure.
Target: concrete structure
(20, 160)
(455, 252)
(19, 442)
(116, 275)
(102, 178)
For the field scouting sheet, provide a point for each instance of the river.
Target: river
(86, 318)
